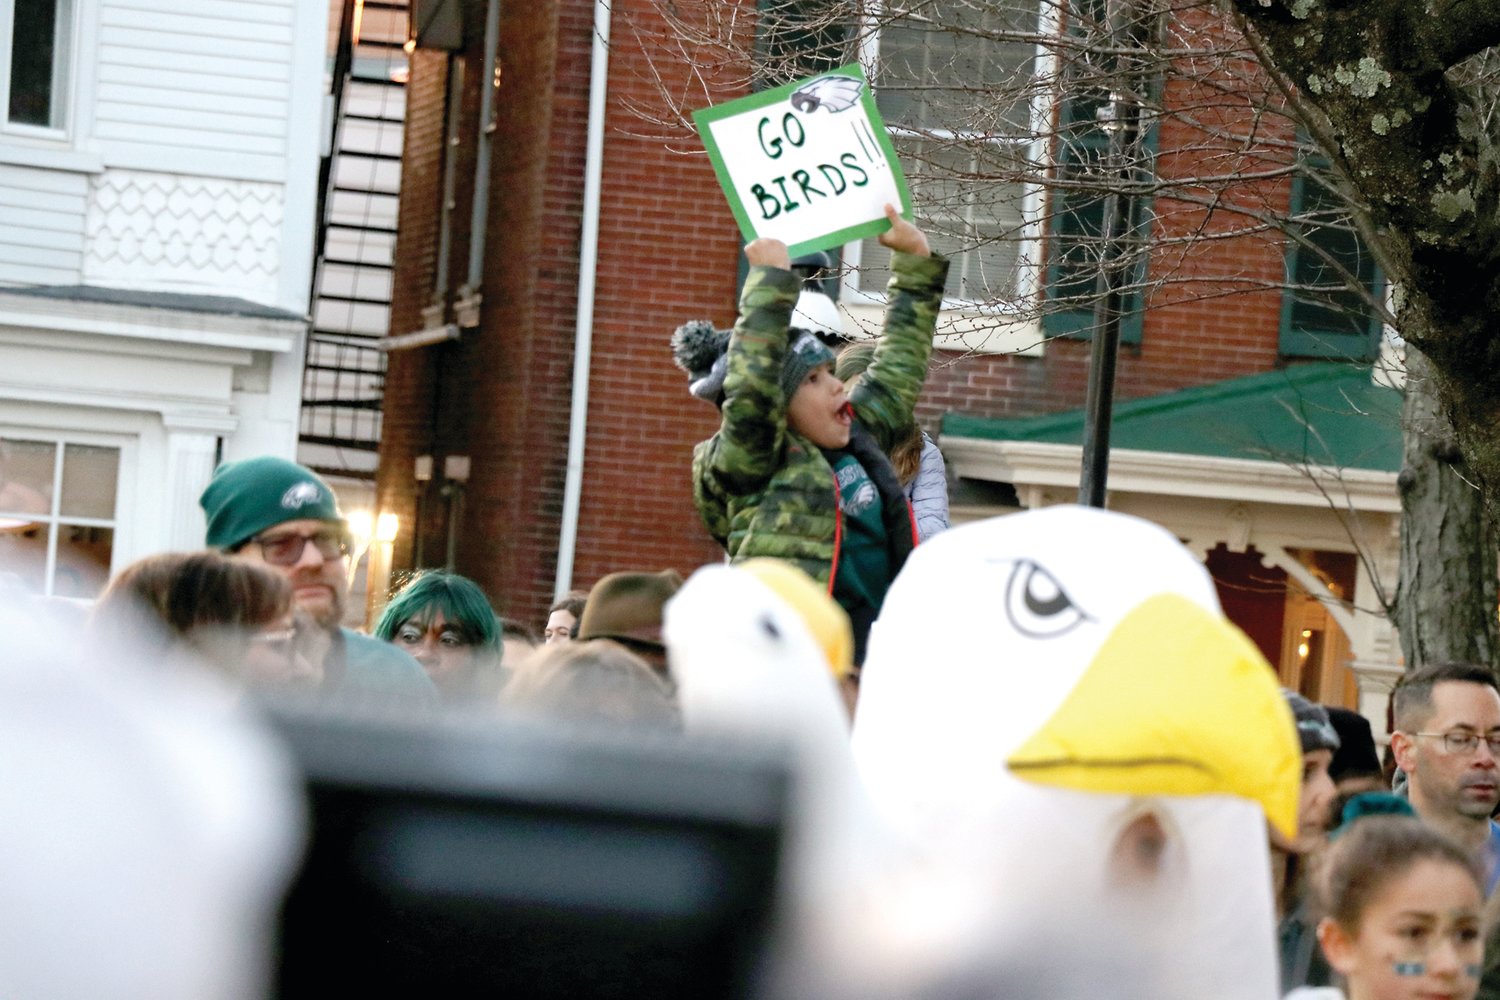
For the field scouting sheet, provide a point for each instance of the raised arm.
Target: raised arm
(887, 394)
(752, 427)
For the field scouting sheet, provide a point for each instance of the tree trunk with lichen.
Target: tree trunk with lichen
(1379, 88)
(1446, 598)
(1391, 91)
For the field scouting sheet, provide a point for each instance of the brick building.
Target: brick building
(579, 287)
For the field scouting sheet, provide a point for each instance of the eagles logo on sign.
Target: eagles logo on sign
(300, 495)
(832, 92)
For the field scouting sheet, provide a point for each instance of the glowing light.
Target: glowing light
(362, 526)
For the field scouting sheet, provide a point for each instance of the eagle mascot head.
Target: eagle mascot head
(1056, 698)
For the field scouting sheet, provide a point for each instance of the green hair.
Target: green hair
(457, 598)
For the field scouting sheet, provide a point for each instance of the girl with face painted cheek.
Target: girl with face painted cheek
(1401, 909)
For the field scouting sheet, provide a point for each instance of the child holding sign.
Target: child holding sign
(797, 469)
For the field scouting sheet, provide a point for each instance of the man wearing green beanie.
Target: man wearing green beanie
(284, 516)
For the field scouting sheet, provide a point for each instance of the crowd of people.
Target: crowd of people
(1379, 888)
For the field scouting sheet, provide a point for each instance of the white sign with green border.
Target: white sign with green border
(808, 163)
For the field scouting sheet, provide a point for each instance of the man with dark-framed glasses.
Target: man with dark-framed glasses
(1447, 741)
(284, 516)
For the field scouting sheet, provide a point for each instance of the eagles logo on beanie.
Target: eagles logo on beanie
(245, 498)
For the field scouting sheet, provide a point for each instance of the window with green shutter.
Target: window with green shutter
(1324, 313)
(1077, 200)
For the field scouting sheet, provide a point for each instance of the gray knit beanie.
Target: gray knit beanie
(703, 353)
(804, 353)
(1314, 728)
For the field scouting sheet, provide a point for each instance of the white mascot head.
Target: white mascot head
(1057, 695)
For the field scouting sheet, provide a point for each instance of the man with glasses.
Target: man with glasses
(283, 515)
(1447, 741)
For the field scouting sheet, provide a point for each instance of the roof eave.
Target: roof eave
(1024, 463)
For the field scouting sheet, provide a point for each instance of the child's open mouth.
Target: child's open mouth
(845, 415)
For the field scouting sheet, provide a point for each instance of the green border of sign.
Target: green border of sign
(754, 102)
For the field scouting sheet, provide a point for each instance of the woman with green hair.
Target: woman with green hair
(447, 625)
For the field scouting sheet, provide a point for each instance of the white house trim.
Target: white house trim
(1024, 463)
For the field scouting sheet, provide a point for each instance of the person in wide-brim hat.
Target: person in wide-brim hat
(627, 607)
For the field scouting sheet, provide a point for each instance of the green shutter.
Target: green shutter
(1337, 323)
(1077, 221)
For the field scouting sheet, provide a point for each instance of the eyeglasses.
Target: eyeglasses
(286, 549)
(1466, 742)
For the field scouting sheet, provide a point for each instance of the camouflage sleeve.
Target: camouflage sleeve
(887, 394)
(713, 506)
(752, 428)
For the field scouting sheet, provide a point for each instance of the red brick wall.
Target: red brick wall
(406, 415)
(668, 252)
(498, 395)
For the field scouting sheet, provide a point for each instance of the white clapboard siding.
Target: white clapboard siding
(205, 83)
(253, 11)
(119, 71)
(41, 239)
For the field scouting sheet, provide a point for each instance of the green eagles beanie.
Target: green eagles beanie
(245, 498)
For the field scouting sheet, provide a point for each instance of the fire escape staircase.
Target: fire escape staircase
(359, 189)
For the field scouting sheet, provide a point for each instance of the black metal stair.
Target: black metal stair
(360, 183)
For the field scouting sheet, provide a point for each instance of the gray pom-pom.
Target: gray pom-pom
(696, 345)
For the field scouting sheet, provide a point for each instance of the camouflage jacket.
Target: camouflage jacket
(763, 490)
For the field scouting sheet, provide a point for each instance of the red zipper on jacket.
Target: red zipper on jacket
(838, 533)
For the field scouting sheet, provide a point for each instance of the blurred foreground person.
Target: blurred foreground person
(445, 623)
(519, 642)
(147, 831)
(1402, 913)
(592, 681)
(284, 516)
(232, 615)
(1103, 756)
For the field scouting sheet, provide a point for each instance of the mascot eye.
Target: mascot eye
(1036, 603)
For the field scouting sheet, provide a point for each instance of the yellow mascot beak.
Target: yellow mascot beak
(1176, 702)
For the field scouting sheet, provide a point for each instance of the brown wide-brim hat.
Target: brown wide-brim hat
(629, 606)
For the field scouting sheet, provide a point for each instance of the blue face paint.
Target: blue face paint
(1473, 971)
(1410, 968)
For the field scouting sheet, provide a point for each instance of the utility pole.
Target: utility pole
(1120, 119)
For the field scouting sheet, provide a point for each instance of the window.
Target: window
(57, 514)
(955, 83)
(1076, 219)
(1322, 316)
(38, 35)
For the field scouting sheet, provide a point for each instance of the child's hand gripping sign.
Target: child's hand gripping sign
(808, 163)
